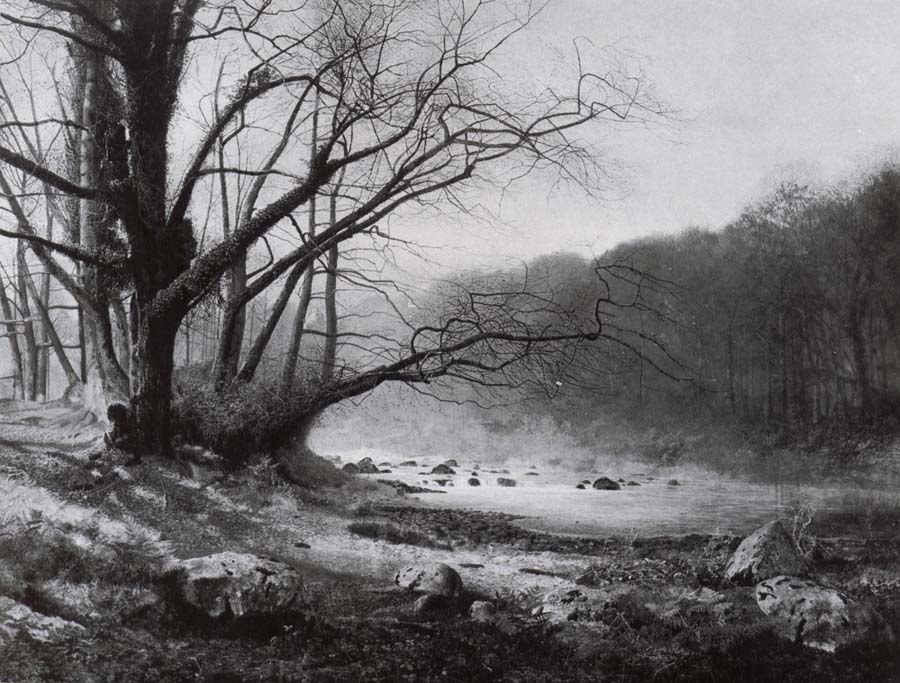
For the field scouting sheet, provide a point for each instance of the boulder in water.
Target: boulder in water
(443, 468)
(451, 463)
(673, 482)
(408, 463)
(504, 481)
(532, 474)
(632, 483)
(474, 481)
(580, 486)
(366, 466)
(605, 484)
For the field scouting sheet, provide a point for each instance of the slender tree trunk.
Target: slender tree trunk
(50, 331)
(856, 334)
(31, 348)
(13, 339)
(293, 353)
(255, 354)
(329, 355)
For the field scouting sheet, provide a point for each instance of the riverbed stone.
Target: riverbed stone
(505, 481)
(408, 463)
(16, 619)
(451, 463)
(605, 484)
(818, 616)
(366, 466)
(769, 551)
(474, 481)
(443, 468)
(673, 482)
(228, 584)
(579, 486)
(435, 578)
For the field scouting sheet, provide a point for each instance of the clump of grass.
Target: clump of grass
(391, 533)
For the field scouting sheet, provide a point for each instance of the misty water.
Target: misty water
(703, 502)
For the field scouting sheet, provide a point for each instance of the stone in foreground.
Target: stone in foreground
(435, 579)
(769, 551)
(606, 484)
(816, 616)
(16, 618)
(236, 585)
(483, 611)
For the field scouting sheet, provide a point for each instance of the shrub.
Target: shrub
(240, 422)
(394, 534)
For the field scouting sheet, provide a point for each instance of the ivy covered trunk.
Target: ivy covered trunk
(152, 399)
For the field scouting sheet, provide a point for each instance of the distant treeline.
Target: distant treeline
(788, 314)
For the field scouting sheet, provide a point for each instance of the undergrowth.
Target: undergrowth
(391, 533)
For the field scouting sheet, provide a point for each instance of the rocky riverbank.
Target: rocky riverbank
(163, 573)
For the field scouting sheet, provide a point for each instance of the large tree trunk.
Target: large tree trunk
(152, 402)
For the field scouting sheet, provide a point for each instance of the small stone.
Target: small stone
(503, 481)
(437, 579)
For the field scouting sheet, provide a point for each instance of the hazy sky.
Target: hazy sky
(760, 87)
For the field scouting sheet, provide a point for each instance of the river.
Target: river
(548, 500)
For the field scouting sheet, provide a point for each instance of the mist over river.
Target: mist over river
(548, 500)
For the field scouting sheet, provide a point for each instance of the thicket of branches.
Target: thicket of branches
(197, 160)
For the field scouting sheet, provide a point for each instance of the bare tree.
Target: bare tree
(408, 102)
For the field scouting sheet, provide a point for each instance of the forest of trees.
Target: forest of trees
(787, 315)
(232, 221)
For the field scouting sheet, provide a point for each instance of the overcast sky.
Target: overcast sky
(760, 87)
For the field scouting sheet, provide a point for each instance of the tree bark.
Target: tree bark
(152, 404)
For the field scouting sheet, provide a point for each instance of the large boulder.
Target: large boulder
(605, 484)
(434, 579)
(443, 468)
(816, 616)
(351, 468)
(236, 585)
(505, 481)
(16, 619)
(767, 552)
